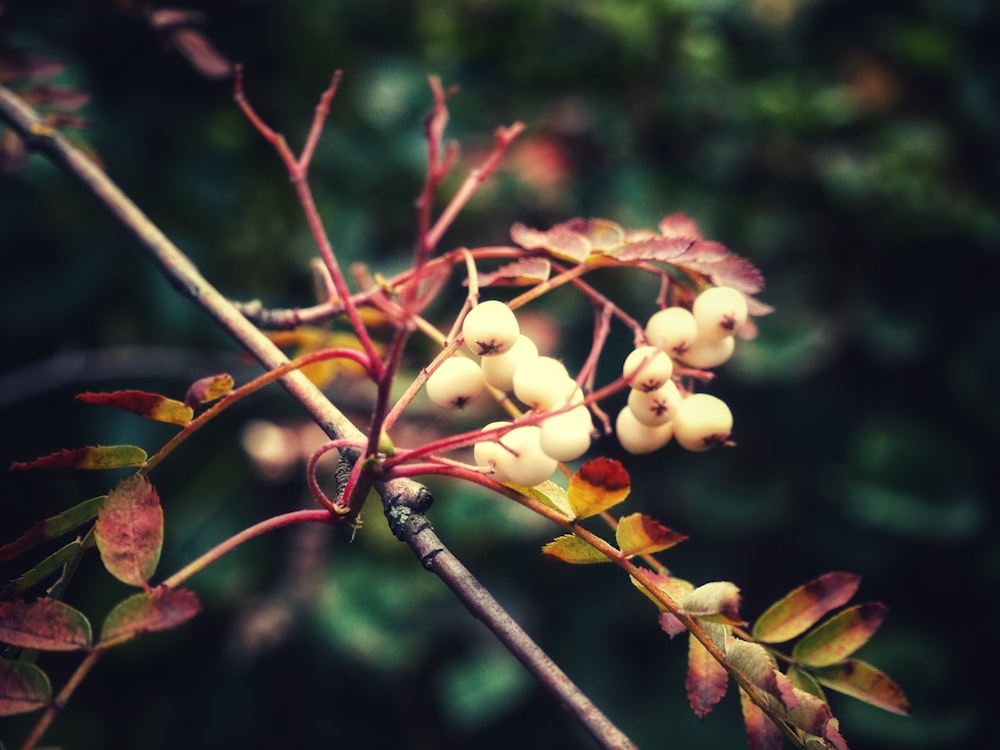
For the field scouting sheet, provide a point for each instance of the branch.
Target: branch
(405, 511)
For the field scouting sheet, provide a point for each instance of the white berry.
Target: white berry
(719, 311)
(499, 369)
(525, 462)
(543, 383)
(672, 330)
(654, 408)
(456, 382)
(647, 368)
(491, 453)
(490, 328)
(637, 437)
(702, 422)
(707, 352)
(566, 436)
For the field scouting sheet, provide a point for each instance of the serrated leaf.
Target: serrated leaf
(762, 733)
(526, 272)
(861, 680)
(718, 601)
(639, 534)
(599, 484)
(148, 612)
(149, 405)
(802, 607)
(602, 234)
(706, 679)
(572, 549)
(23, 687)
(757, 664)
(44, 624)
(90, 457)
(679, 225)
(207, 389)
(814, 716)
(675, 588)
(561, 241)
(129, 530)
(840, 636)
(551, 494)
(53, 527)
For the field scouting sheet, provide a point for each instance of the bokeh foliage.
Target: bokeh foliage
(846, 147)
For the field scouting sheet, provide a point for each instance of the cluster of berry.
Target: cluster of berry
(657, 410)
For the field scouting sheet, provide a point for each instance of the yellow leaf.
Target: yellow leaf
(572, 549)
(598, 485)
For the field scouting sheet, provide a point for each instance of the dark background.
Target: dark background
(847, 148)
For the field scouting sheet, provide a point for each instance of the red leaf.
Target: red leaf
(598, 485)
(44, 624)
(91, 457)
(129, 530)
(201, 53)
(802, 607)
(639, 534)
(762, 733)
(209, 389)
(559, 240)
(679, 225)
(148, 612)
(23, 687)
(148, 405)
(706, 680)
(525, 272)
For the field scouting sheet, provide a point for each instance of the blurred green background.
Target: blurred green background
(848, 148)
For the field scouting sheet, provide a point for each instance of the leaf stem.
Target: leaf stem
(46, 719)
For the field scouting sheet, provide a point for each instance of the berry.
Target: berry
(654, 408)
(672, 330)
(490, 328)
(702, 422)
(719, 311)
(499, 369)
(637, 437)
(566, 436)
(707, 352)
(490, 452)
(543, 383)
(456, 382)
(647, 368)
(520, 458)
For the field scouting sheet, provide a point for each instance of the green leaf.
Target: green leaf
(599, 484)
(801, 608)
(706, 679)
(866, 683)
(53, 527)
(148, 612)
(572, 549)
(840, 636)
(552, 495)
(23, 687)
(41, 571)
(804, 680)
(44, 624)
(129, 531)
(639, 534)
(149, 405)
(91, 457)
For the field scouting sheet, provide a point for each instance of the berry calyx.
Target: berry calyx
(719, 311)
(672, 330)
(499, 369)
(702, 422)
(490, 328)
(455, 383)
(654, 408)
(647, 368)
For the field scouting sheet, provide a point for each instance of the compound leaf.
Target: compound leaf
(149, 405)
(866, 683)
(44, 624)
(90, 457)
(148, 612)
(840, 636)
(599, 484)
(23, 687)
(129, 530)
(639, 534)
(801, 608)
(706, 680)
(53, 527)
(572, 549)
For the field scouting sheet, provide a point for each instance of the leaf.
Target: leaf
(572, 549)
(814, 716)
(804, 680)
(602, 234)
(37, 574)
(23, 687)
(209, 389)
(718, 601)
(840, 636)
(91, 457)
(53, 527)
(148, 612)
(560, 240)
(675, 588)
(129, 531)
(149, 405)
(801, 608)
(757, 664)
(526, 272)
(44, 624)
(552, 495)
(599, 484)
(639, 534)
(861, 680)
(706, 680)
(679, 225)
(762, 733)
